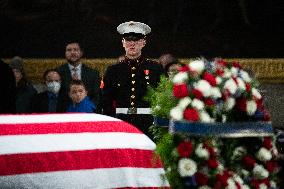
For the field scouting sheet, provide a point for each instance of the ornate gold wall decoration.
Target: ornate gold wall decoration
(265, 69)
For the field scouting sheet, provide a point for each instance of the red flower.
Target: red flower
(185, 149)
(209, 102)
(248, 87)
(212, 163)
(184, 68)
(222, 63)
(271, 166)
(210, 78)
(219, 72)
(237, 65)
(197, 93)
(190, 114)
(248, 161)
(211, 150)
(223, 179)
(267, 143)
(241, 104)
(180, 90)
(201, 179)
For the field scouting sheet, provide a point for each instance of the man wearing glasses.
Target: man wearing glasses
(126, 83)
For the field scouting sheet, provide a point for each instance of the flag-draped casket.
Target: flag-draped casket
(75, 151)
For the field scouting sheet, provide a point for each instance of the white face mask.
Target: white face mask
(53, 87)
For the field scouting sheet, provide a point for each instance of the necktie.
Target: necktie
(75, 75)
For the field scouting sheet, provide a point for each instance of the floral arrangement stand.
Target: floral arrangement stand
(220, 134)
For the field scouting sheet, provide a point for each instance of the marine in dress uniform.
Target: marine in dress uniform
(126, 83)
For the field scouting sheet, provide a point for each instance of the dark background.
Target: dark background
(186, 28)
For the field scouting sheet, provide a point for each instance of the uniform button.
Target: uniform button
(132, 89)
(132, 96)
(132, 103)
(133, 82)
(133, 75)
(133, 68)
(148, 83)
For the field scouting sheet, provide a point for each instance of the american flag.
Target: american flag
(76, 150)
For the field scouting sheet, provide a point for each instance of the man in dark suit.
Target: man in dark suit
(126, 83)
(8, 89)
(75, 70)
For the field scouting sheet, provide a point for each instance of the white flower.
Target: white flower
(202, 152)
(220, 168)
(234, 71)
(227, 73)
(263, 154)
(176, 113)
(256, 93)
(215, 92)
(204, 87)
(197, 66)
(262, 186)
(218, 80)
(260, 172)
(198, 104)
(245, 173)
(238, 179)
(204, 187)
(229, 103)
(251, 107)
(231, 184)
(224, 118)
(241, 84)
(245, 186)
(186, 167)
(245, 76)
(204, 117)
(180, 78)
(184, 102)
(273, 184)
(239, 152)
(231, 86)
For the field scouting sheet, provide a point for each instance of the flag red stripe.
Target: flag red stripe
(73, 127)
(76, 160)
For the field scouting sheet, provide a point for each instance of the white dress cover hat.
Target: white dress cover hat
(133, 27)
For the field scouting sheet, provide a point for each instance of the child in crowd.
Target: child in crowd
(80, 100)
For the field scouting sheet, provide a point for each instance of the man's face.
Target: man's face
(18, 75)
(73, 53)
(133, 48)
(77, 93)
(52, 76)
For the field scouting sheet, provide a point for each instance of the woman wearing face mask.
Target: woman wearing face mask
(48, 100)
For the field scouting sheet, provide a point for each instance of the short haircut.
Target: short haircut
(74, 41)
(48, 71)
(77, 82)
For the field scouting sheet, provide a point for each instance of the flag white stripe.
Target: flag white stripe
(53, 118)
(93, 178)
(13, 144)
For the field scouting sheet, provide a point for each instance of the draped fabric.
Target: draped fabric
(76, 151)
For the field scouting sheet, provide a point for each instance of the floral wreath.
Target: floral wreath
(214, 92)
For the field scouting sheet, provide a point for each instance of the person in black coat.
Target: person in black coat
(126, 83)
(25, 91)
(75, 70)
(8, 89)
(50, 101)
